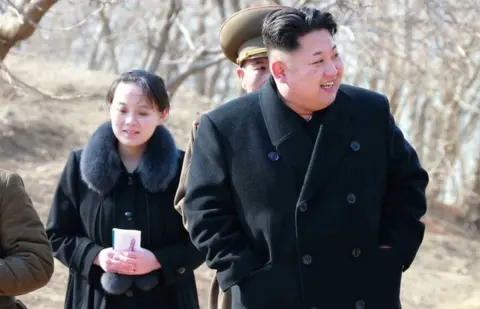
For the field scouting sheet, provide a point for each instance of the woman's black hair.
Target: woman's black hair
(152, 85)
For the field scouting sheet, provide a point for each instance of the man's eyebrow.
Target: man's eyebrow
(317, 53)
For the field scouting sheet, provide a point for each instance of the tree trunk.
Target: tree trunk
(162, 39)
(201, 77)
(14, 28)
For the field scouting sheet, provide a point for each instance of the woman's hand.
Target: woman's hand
(142, 262)
(113, 262)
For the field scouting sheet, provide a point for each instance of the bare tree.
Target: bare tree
(19, 23)
(422, 54)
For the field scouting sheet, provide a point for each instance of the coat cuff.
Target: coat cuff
(240, 268)
(83, 257)
(406, 241)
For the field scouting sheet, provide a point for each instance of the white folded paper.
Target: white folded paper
(126, 240)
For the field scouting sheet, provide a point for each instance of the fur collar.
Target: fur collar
(101, 166)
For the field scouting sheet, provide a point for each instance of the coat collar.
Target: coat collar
(292, 143)
(282, 123)
(279, 119)
(101, 166)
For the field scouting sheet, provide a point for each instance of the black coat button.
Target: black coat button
(181, 270)
(355, 146)
(307, 259)
(351, 198)
(356, 252)
(129, 215)
(273, 156)
(303, 207)
(359, 304)
(129, 293)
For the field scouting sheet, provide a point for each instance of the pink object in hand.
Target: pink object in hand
(132, 245)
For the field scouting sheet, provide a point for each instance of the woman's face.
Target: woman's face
(134, 118)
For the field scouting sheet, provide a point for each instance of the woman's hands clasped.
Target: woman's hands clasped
(138, 262)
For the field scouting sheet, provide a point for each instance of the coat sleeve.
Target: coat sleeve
(405, 200)
(65, 230)
(27, 261)
(213, 222)
(182, 186)
(179, 259)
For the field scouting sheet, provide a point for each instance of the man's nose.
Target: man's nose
(331, 69)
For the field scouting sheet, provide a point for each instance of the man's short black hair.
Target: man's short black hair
(282, 28)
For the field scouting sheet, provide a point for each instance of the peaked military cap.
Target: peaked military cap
(241, 34)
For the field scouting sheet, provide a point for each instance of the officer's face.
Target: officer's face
(311, 75)
(253, 73)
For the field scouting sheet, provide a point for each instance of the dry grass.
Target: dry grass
(37, 135)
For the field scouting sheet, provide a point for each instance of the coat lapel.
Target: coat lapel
(293, 145)
(333, 142)
(285, 131)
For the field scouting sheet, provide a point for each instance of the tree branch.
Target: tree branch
(12, 79)
(173, 83)
(15, 28)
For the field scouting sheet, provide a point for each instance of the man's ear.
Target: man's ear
(278, 71)
(240, 73)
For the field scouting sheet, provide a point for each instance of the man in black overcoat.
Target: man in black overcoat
(305, 193)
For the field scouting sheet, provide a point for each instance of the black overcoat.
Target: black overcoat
(281, 241)
(95, 194)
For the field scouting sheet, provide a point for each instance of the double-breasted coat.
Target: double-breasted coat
(95, 194)
(293, 222)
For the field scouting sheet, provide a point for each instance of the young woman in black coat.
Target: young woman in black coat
(125, 177)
